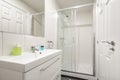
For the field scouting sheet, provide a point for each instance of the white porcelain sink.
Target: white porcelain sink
(27, 60)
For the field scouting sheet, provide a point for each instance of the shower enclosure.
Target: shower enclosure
(76, 39)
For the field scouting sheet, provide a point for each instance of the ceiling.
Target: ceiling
(71, 3)
(37, 5)
(69, 12)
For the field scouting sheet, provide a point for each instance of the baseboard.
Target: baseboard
(82, 76)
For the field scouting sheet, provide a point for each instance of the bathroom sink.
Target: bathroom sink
(27, 60)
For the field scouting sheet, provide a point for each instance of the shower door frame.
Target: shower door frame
(75, 74)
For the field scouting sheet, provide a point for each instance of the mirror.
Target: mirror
(22, 17)
(37, 25)
(36, 20)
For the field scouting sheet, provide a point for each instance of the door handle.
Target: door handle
(111, 42)
(112, 49)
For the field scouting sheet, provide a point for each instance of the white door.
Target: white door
(114, 35)
(108, 60)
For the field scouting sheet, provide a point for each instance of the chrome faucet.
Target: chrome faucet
(33, 48)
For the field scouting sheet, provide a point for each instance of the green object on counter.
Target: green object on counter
(17, 50)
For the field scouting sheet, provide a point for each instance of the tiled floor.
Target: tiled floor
(67, 78)
(63, 78)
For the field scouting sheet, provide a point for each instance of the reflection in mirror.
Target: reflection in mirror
(36, 19)
(18, 16)
(38, 25)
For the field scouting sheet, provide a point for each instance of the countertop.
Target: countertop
(27, 60)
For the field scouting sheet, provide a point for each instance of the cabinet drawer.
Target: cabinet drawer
(45, 71)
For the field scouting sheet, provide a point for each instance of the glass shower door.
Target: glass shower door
(75, 38)
(69, 49)
(66, 40)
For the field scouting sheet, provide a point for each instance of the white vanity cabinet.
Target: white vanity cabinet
(44, 67)
(49, 70)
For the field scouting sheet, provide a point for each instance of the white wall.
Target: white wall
(0, 19)
(10, 40)
(84, 17)
(31, 41)
(51, 21)
(0, 43)
(51, 5)
(0, 35)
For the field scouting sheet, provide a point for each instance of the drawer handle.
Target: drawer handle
(43, 69)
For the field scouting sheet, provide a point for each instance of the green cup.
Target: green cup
(16, 51)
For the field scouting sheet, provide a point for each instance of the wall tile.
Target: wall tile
(40, 41)
(0, 43)
(10, 40)
(33, 41)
